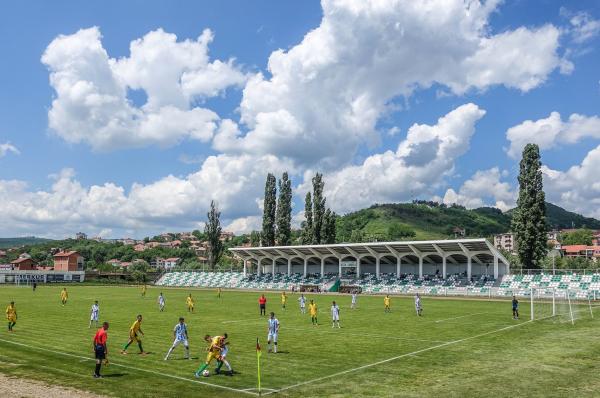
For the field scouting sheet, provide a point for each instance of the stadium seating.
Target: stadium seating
(578, 286)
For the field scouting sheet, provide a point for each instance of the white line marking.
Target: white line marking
(132, 368)
(458, 317)
(401, 356)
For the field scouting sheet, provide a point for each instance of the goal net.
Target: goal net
(560, 305)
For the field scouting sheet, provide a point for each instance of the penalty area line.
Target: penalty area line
(370, 365)
(244, 391)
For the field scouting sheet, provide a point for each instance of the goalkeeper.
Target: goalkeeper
(100, 348)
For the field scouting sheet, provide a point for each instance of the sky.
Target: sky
(125, 119)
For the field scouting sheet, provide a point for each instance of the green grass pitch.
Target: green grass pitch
(461, 348)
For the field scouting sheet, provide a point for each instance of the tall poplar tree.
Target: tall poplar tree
(267, 237)
(307, 225)
(328, 228)
(212, 230)
(284, 212)
(529, 219)
(318, 209)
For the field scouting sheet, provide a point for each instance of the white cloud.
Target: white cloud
(552, 130)
(417, 167)
(92, 105)
(578, 188)
(325, 95)
(583, 26)
(236, 183)
(7, 148)
(484, 188)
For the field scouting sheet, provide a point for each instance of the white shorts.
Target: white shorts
(94, 317)
(177, 342)
(272, 337)
(224, 351)
(336, 317)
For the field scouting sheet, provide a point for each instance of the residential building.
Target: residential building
(505, 242)
(80, 236)
(128, 241)
(169, 263)
(140, 247)
(68, 261)
(590, 252)
(23, 264)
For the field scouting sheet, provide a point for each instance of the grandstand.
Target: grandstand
(578, 286)
(446, 267)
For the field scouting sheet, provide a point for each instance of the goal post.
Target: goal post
(560, 305)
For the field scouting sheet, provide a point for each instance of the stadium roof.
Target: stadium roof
(479, 250)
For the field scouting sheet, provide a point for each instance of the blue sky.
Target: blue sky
(373, 96)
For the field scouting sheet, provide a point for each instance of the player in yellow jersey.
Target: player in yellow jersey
(189, 301)
(144, 291)
(283, 300)
(386, 303)
(312, 310)
(134, 335)
(219, 292)
(214, 352)
(64, 296)
(11, 316)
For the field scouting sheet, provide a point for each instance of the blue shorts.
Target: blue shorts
(100, 352)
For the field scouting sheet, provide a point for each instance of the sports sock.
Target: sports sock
(98, 365)
(227, 365)
(9, 326)
(219, 365)
(140, 345)
(275, 347)
(201, 368)
(126, 346)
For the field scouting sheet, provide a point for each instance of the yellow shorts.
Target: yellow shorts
(134, 337)
(12, 318)
(212, 355)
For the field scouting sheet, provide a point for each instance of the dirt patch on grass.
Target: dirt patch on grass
(18, 387)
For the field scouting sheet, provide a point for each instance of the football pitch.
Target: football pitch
(457, 348)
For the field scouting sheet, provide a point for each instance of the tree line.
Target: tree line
(318, 227)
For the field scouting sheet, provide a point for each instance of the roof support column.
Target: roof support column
(398, 266)
(358, 267)
(469, 268)
(258, 267)
(495, 267)
(289, 266)
(244, 262)
(274, 265)
(377, 267)
(305, 266)
(444, 273)
(340, 266)
(420, 266)
(322, 267)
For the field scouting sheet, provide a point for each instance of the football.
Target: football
(205, 373)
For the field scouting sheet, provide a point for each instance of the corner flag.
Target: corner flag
(258, 353)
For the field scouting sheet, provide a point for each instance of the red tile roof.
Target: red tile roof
(20, 260)
(65, 254)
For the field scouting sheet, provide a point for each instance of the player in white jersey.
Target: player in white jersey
(180, 335)
(302, 301)
(273, 330)
(161, 302)
(353, 304)
(418, 307)
(94, 313)
(335, 315)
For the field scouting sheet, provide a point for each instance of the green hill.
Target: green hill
(430, 220)
(6, 243)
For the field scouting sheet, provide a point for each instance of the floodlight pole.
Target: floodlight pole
(554, 302)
